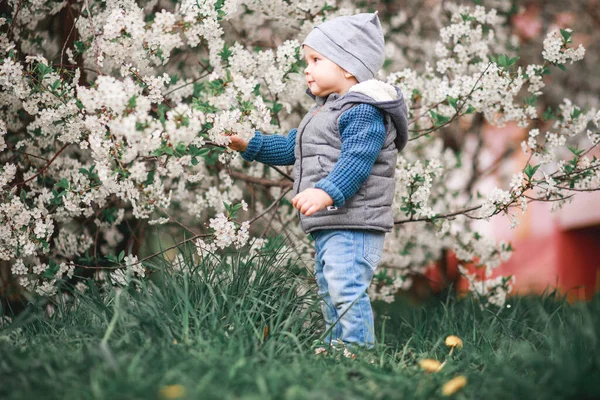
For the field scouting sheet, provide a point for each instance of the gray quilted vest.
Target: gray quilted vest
(318, 146)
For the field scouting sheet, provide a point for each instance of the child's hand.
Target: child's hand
(311, 200)
(237, 143)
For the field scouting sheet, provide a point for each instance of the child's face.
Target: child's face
(323, 76)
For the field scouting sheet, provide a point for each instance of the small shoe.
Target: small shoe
(349, 354)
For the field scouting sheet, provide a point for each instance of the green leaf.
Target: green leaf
(203, 106)
(121, 255)
(256, 90)
(530, 100)
(327, 7)
(438, 119)
(225, 53)
(530, 171)
(470, 109)
(416, 95)
(150, 178)
(80, 47)
(87, 259)
(452, 101)
(277, 107)
(246, 106)
(505, 61)
(575, 150)
(566, 35)
(132, 102)
(181, 148)
(64, 183)
(162, 109)
(163, 149)
(110, 214)
(561, 66)
(52, 267)
(548, 114)
(195, 151)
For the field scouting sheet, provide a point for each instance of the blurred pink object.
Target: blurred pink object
(582, 212)
(528, 24)
(558, 249)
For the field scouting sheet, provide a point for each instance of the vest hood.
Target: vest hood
(382, 95)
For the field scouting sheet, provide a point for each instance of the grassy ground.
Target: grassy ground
(203, 334)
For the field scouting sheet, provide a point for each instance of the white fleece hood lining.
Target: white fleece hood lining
(376, 89)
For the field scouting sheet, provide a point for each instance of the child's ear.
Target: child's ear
(348, 75)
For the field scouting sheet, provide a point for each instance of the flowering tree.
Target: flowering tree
(114, 118)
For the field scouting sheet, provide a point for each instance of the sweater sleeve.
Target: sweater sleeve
(363, 133)
(271, 149)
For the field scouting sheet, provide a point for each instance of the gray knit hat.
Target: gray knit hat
(355, 43)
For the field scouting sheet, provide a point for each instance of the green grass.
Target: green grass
(120, 344)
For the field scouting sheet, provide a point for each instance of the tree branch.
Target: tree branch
(260, 181)
(44, 168)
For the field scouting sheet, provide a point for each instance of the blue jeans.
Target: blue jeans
(345, 262)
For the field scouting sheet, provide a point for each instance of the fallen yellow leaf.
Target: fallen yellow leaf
(454, 385)
(430, 365)
(172, 392)
(454, 341)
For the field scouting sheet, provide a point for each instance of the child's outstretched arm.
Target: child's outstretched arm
(267, 149)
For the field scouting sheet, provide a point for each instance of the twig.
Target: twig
(145, 258)
(62, 52)
(28, 154)
(260, 181)
(271, 206)
(10, 28)
(282, 173)
(427, 131)
(87, 7)
(44, 168)
(187, 84)
(177, 222)
(452, 214)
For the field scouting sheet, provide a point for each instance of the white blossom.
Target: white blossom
(555, 49)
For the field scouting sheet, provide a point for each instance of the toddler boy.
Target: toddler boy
(344, 154)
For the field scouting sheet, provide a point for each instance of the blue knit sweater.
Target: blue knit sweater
(362, 133)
